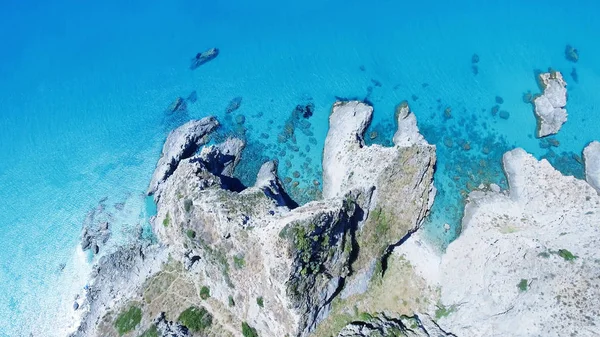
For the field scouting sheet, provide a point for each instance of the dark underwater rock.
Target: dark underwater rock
(504, 114)
(234, 104)
(571, 54)
(192, 97)
(475, 59)
(177, 105)
(499, 100)
(574, 75)
(202, 58)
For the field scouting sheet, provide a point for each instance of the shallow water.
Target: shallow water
(84, 88)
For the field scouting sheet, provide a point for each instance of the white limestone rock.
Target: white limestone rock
(408, 131)
(591, 157)
(181, 143)
(549, 107)
(526, 263)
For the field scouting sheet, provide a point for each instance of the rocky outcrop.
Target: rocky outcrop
(181, 143)
(115, 281)
(591, 156)
(536, 271)
(395, 183)
(223, 158)
(408, 132)
(249, 255)
(383, 326)
(549, 107)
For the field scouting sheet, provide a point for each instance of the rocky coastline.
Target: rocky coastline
(234, 260)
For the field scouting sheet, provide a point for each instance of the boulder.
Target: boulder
(549, 107)
(181, 143)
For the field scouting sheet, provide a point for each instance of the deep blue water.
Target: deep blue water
(84, 88)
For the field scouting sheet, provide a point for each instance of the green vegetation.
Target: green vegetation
(365, 317)
(151, 332)
(187, 204)
(167, 220)
(190, 233)
(128, 320)
(567, 255)
(238, 261)
(195, 319)
(231, 301)
(443, 311)
(523, 285)
(204, 293)
(248, 331)
(260, 302)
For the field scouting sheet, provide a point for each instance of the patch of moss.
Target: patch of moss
(365, 316)
(260, 301)
(204, 293)
(239, 262)
(567, 255)
(248, 331)
(522, 285)
(196, 319)
(151, 332)
(190, 233)
(128, 320)
(166, 220)
(443, 311)
(231, 301)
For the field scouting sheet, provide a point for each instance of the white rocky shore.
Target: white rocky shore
(591, 156)
(244, 261)
(526, 262)
(549, 106)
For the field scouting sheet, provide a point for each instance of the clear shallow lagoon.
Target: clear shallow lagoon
(84, 88)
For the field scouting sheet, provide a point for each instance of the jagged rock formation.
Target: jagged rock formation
(549, 107)
(249, 255)
(526, 261)
(181, 143)
(383, 326)
(116, 279)
(408, 131)
(591, 156)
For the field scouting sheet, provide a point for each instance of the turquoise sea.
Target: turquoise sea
(84, 87)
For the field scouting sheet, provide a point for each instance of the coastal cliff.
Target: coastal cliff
(234, 260)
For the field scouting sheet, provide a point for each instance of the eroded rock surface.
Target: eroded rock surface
(591, 156)
(249, 255)
(181, 143)
(536, 270)
(549, 106)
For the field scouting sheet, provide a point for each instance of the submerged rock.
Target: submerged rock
(499, 100)
(574, 75)
(571, 54)
(234, 104)
(180, 144)
(475, 59)
(177, 105)
(504, 114)
(549, 107)
(202, 58)
(591, 157)
(192, 97)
